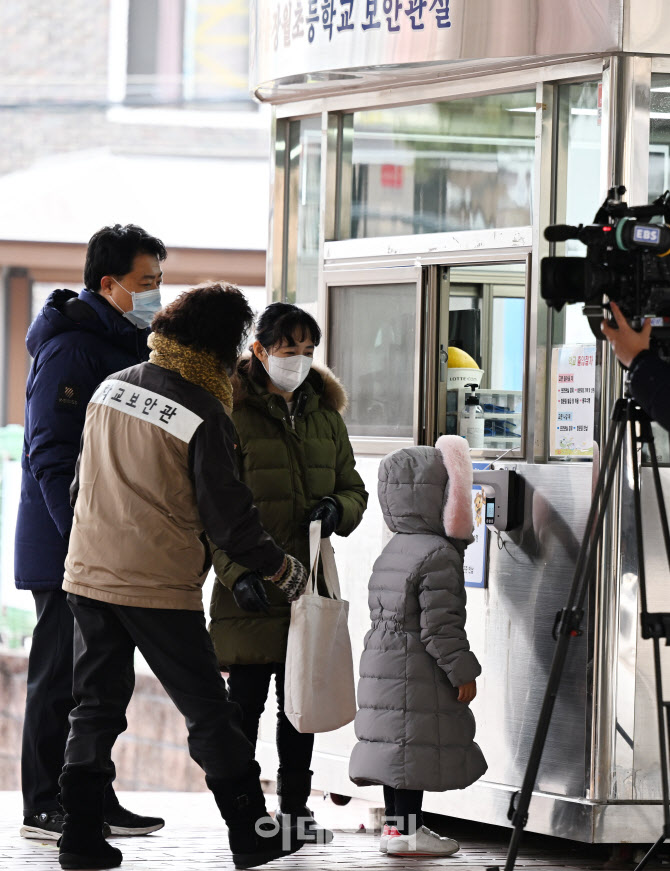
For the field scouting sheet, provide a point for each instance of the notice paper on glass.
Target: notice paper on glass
(573, 380)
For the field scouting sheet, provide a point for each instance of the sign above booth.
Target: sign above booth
(302, 47)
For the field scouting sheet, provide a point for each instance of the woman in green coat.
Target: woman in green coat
(294, 454)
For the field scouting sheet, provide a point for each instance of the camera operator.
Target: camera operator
(649, 375)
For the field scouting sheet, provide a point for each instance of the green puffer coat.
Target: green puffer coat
(289, 467)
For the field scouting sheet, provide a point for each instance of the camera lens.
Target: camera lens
(563, 280)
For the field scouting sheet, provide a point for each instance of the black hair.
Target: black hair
(281, 322)
(214, 317)
(111, 251)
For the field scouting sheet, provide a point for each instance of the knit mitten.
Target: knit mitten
(291, 578)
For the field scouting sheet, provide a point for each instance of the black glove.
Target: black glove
(328, 512)
(249, 593)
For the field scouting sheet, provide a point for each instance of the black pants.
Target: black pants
(249, 686)
(179, 651)
(48, 704)
(403, 809)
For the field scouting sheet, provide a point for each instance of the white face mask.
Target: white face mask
(288, 373)
(145, 306)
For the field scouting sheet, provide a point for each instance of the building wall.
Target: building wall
(54, 94)
(51, 53)
(55, 102)
(151, 754)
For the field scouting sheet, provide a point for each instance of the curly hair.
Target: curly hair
(281, 323)
(214, 317)
(111, 251)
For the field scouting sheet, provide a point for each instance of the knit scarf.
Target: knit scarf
(198, 367)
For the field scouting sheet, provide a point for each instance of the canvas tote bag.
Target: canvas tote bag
(319, 693)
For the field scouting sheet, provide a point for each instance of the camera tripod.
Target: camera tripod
(626, 415)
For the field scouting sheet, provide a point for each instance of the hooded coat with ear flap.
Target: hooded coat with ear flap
(412, 732)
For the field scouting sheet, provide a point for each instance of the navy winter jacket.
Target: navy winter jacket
(75, 342)
(650, 383)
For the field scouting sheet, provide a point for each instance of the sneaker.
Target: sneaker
(47, 826)
(387, 832)
(124, 822)
(423, 843)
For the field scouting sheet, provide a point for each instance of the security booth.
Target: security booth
(420, 148)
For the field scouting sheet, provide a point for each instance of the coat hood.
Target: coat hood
(323, 381)
(66, 311)
(429, 490)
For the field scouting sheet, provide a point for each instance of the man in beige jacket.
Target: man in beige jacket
(156, 476)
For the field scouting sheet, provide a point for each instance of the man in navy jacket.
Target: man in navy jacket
(76, 341)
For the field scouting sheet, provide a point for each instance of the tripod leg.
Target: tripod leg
(568, 629)
(642, 580)
(650, 853)
(662, 707)
(520, 816)
(588, 551)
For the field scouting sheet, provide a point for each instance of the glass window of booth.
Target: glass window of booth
(460, 165)
(372, 348)
(482, 320)
(304, 187)
(572, 363)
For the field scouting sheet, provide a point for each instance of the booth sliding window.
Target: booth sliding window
(482, 314)
(460, 165)
(372, 348)
(479, 335)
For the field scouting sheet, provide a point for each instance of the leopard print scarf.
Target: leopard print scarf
(198, 367)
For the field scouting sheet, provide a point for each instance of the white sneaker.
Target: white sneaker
(387, 832)
(423, 843)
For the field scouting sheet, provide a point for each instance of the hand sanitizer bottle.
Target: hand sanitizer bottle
(472, 419)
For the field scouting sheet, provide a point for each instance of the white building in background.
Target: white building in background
(120, 111)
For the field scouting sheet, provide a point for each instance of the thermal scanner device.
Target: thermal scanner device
(503, 492)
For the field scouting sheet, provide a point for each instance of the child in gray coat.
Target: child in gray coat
(417, 674)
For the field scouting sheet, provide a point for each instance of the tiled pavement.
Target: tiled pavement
(195, 838)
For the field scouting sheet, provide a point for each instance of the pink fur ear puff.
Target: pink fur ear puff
(457, 515)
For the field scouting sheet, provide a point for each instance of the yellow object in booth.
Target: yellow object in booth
(458, 359)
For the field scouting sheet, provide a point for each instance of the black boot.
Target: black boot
(293, 789)
(254, 837)
(82, 844)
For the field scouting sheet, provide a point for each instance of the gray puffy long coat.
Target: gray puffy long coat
(412, 732)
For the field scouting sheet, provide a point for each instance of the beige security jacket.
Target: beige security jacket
(156, 475)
